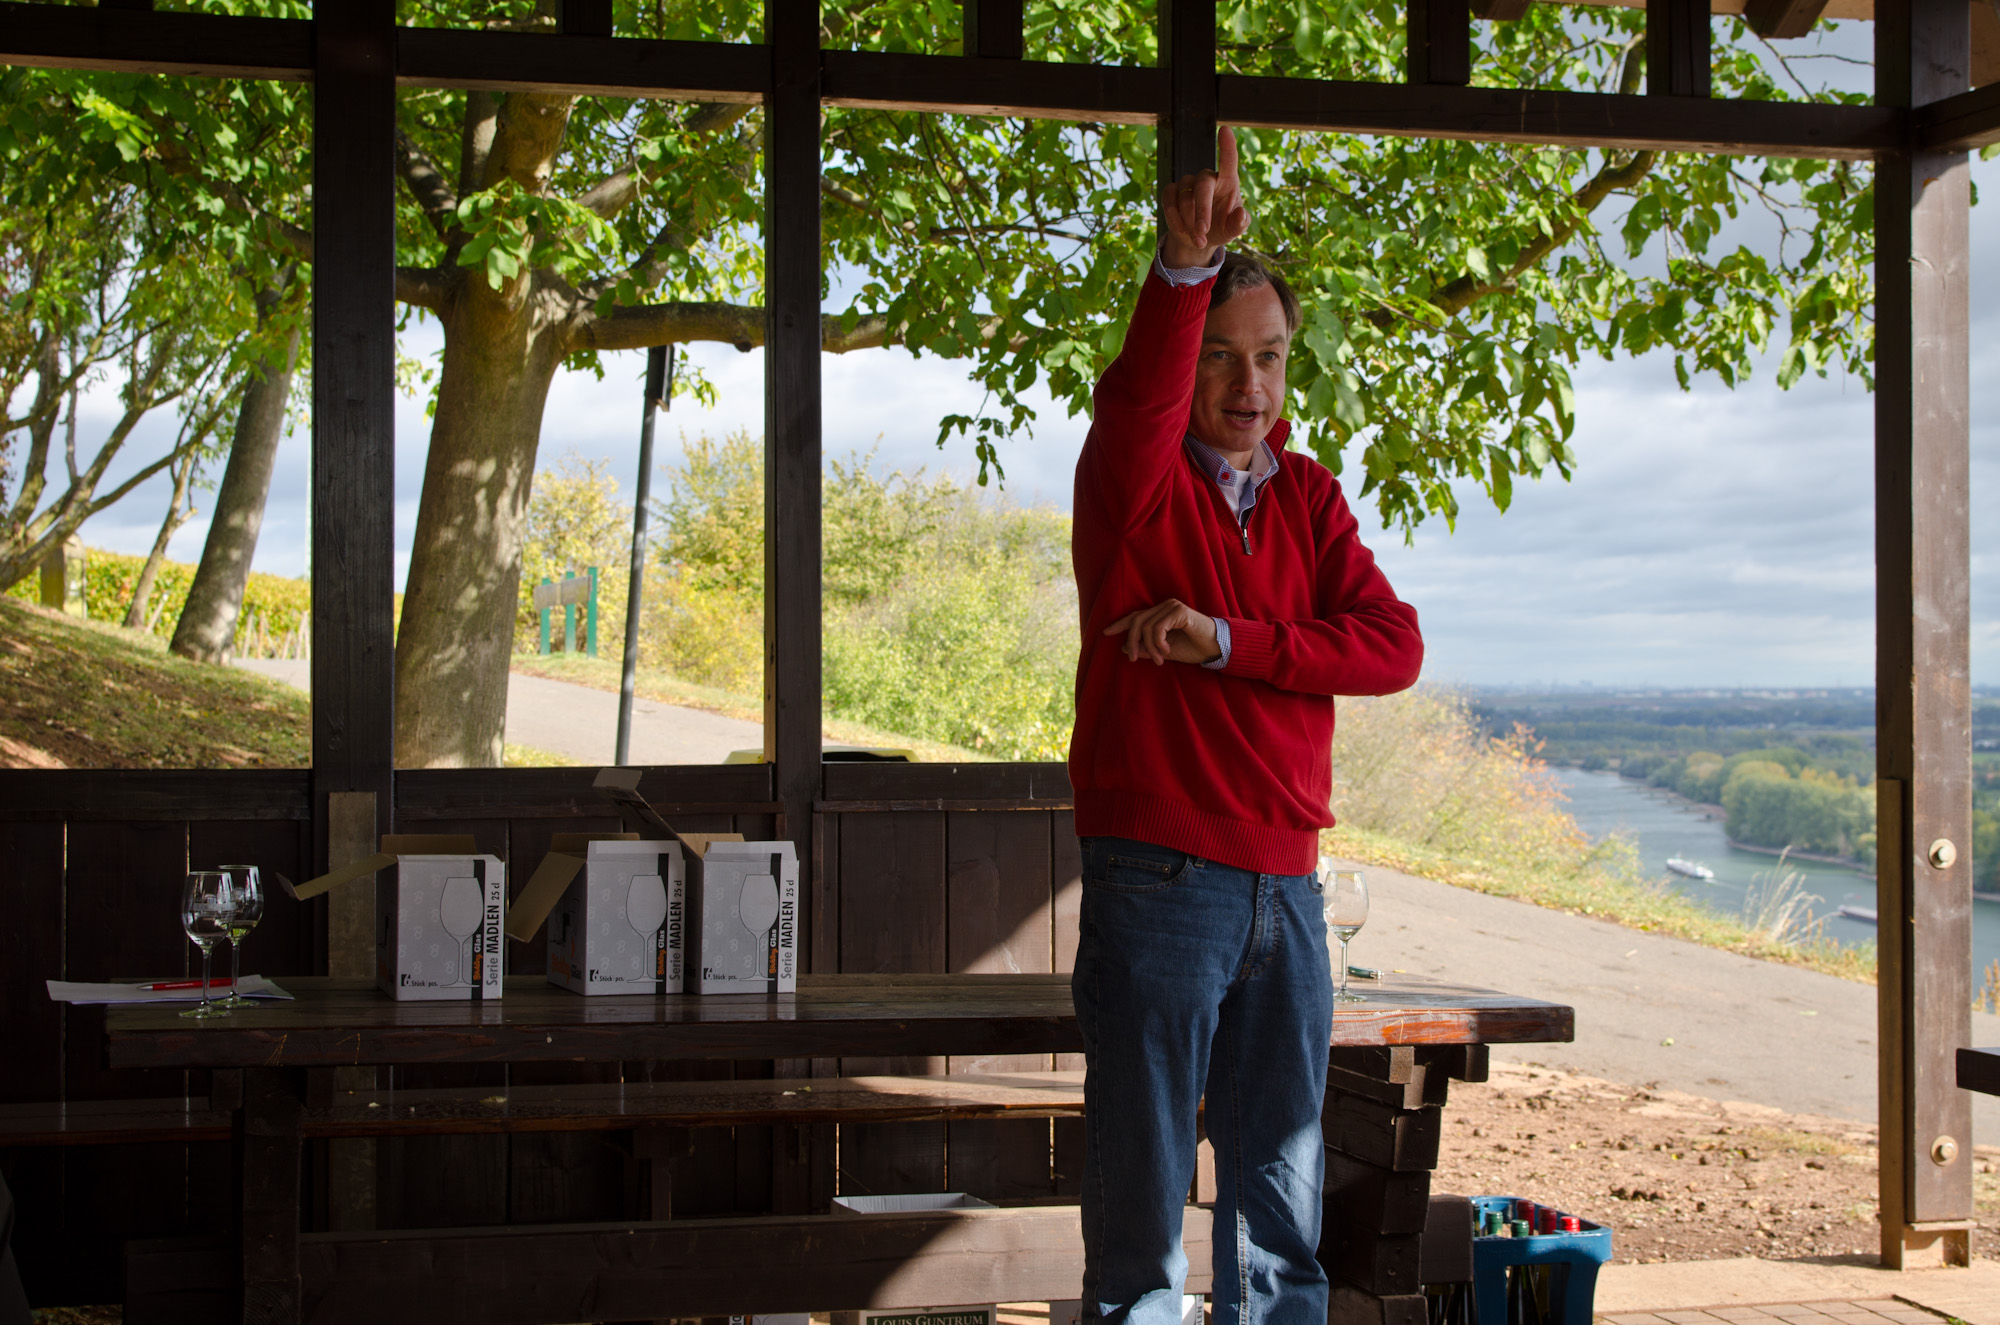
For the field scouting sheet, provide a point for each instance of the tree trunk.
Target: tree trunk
(208, 623)
(178, 511)
(501, 351)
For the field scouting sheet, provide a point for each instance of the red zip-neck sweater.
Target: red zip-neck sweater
(1232, 765)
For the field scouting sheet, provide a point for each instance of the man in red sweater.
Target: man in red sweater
(1226, 598)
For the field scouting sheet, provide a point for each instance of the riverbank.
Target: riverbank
(1817, 857)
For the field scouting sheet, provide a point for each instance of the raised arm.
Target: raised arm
(1141, 403)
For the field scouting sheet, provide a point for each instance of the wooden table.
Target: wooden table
(1381, 1124)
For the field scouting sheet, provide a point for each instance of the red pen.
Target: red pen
(163, 985)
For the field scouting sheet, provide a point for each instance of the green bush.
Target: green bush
(273, 602)
(1765, 805)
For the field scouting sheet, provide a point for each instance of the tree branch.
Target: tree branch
(425, 287)
(610, 195)
(427, 183)
(475, 139)
(741, 325)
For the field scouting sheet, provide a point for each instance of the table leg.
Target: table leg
(268, 1151)
(1382, 1126)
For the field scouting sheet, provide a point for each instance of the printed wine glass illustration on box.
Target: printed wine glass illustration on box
(459, 908)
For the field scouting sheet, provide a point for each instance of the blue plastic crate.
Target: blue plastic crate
(1577, 1256)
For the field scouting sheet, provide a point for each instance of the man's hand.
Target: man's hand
(1170, 632)
(1203, 211)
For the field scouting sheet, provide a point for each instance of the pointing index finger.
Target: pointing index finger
(1225, 155)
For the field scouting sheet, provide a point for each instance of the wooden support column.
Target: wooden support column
(1922, 686)
(1678, 63)
(792, 415)
(1440, 42)
(1187, 49)
(354, 385)
(267, 1159)
(993, 30)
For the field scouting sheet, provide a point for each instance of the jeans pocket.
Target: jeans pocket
(1127, 871)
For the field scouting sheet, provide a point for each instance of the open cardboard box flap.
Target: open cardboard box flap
(567, 854)
(622, 786)
(394, 847)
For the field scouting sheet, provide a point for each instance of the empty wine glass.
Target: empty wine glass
(459, 911)
(1345, 894)
(208, 902)
(248, 890)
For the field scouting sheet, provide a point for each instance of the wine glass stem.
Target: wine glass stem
(235, 966)
(1343, 968)
(206, 949)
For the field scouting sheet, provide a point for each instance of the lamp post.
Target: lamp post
(659, 383)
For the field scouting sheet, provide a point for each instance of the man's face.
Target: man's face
(1239, 381)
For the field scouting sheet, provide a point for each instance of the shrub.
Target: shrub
(273, 605)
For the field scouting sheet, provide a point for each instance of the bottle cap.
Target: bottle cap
(1522, 1229)
(1571, 1224)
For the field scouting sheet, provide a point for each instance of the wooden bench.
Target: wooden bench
(578, 1108)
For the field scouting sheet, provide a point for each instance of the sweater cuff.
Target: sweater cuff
(1252, 645)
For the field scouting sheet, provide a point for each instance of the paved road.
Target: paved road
(1740, 1029)
(582, 724)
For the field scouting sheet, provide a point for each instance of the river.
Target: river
(1663, 825)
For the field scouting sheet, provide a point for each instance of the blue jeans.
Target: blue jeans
(1192, 978)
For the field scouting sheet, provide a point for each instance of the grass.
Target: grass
(86, 694)
(1609, 893)
(601, 673)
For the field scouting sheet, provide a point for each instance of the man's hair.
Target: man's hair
(1246, 271)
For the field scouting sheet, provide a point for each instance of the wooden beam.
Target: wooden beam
(201, 45)
(583, 18)
(1563, 119)
(354, 393)
(1961, 123)
(965, 85)
(533, 1275)
(1781, 20)
(1500, 11)
(583, 65)
(1439, 48)
(1923, 606)
(125, 794)
(993, 30)
(1187, 121)
(792, 694)
(1678, 63)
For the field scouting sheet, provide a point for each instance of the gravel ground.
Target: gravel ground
(1678, 1177)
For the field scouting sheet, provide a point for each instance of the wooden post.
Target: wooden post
(1439, 42)
(1923, 604)
(354, 385)
(792, 414)
(1678, 63)
(1187, 48)
(993, 30)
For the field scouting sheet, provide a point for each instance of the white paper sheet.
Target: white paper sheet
(74, 991)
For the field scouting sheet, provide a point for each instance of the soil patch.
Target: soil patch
(1676, 1176)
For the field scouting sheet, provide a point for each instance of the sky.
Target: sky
(1709, 537)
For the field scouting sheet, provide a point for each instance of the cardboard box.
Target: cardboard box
(742, 900)
(743, 916)
(438, 910)
(616, 913)
(982, 1314)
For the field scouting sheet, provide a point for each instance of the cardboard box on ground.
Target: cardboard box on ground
(438, 908)
(616, 912)
(741, 903)
(976, 1314)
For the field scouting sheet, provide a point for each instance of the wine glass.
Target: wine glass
(1345, 895)
(249, 893)
(208, 903)
(459, 910)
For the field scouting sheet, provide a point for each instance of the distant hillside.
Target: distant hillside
(83, 694)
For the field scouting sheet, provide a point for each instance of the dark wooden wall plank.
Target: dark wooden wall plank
(122, 902)
(913, 783)
(563, 793)
(31, 879)
(892, 919)
(92, 794)
(999, 919)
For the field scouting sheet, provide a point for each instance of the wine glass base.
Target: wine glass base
(1350, 998)
(234, 1002)
(206, 1010)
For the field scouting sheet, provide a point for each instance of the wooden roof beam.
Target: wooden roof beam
(1781, 20)
(1962, 123)
(199, 45)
